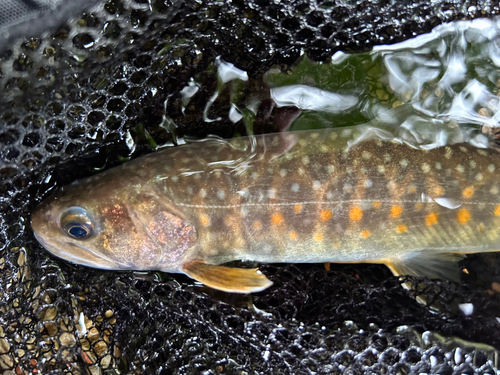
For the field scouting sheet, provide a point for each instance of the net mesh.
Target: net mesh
(91, 93)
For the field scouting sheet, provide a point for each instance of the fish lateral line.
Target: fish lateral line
(323, 202)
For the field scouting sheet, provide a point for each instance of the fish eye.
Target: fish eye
(77, 223)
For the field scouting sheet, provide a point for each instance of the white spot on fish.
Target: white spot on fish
(295, 187)
(426, 168)
(447, 152)
(366, 155)
(305, 160)
(330, 169)
(387, 158)
(349, 170)
(491, 168)
(346, 133)
(329, 195)
(202, 193)
(380, 169)
(221, 194)
(460, 168)
(218, 174)
(494, 190)
(438, 166)
(463, 149)
(333, 136)
(368, 184)
(175, 178)
(283, 172)
(255, 175)
(316, 185)
(473, 164)
(482, 152)
(314, 135)
(391, 185)
(270, 171)
(271, 193)
(404, 163)
(301, 172)
(347, 188)
(479, 177)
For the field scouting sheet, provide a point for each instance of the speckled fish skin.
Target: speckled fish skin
(301, 197)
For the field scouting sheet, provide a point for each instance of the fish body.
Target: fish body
(298, 197)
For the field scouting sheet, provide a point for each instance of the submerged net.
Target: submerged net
(93, 92)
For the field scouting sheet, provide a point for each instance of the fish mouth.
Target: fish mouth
(82, 255)
(79, 255)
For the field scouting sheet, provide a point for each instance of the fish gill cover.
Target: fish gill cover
(128, 77)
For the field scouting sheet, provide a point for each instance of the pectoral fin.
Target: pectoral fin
(227, 279)
(427, 263)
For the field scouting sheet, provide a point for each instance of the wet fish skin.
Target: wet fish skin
(310, 196)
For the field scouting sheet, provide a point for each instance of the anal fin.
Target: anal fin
(428, 263)
(227, 279)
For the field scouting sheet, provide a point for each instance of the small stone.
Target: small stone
(67, 339)
(100, 348)
(484, 112)
(93, 335)
(48, 314)
(4, 346)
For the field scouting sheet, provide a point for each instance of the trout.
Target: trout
(298, 197)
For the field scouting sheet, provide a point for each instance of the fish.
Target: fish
(315, 196)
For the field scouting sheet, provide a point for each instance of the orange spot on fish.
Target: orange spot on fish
(480, 227)
(366, 233)
(327, 266)
(228, 220)
(431, 219)
(419, 206)
(376, 204)
(326, 215)
(468, 192)
(401, 228)
(293, 235)
(497, 210)
(412, 190)
(257, 225)
(438, 191)
(277, 218)
(356, 214)
(396, 211)
(297, 208)
(204, 220)
(318, 237)
(463, 216)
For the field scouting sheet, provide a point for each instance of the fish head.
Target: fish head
(113, 228)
